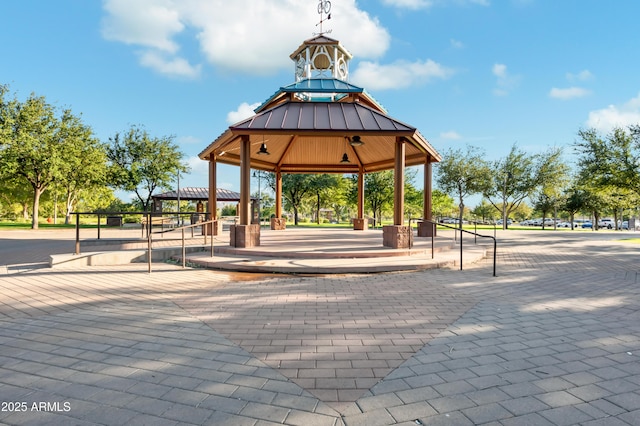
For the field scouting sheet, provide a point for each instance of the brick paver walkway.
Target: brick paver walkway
(553, 340)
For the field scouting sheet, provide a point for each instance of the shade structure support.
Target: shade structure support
(398, 235)
(426, 228)
(360, 223)
(245, 234)
(278, 223)
(215, 227)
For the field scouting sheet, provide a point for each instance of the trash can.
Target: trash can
(114, 220)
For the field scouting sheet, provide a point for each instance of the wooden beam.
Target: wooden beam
(245, 181)
(398, 181)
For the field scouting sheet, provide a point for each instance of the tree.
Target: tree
(461, 174)
(141, 164)
(378, 193)
(514, 178)
(441, 204)
(338, 198)
(575, 200)
(84, 161)
(553, 175)
(484, 211)
(295, 188)
(31, 144)
(321, 185)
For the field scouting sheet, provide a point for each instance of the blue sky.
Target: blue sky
(487, 73)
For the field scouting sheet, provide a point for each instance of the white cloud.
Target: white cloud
(450, 135)
(623, 115)
(171, 66)
(198, 167)
(241, 35)
(425, 4)
(569, 93)
(505, 81)
(244, 111)
(584, 75)
(398, 75)
(456, 44)
(499, 70)
(409, 4)
(189, 140)
(150, 23)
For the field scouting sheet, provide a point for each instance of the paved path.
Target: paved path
(553, 340)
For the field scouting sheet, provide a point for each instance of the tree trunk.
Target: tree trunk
(69, 207)
(318, 209)
(504, 213)
(36, 206)
(25, 211)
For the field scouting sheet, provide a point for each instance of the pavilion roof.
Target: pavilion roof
(311, 137)
(199, 194)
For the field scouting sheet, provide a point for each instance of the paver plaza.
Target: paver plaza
(553, 340)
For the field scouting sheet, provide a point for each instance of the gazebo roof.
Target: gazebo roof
(198, 194)
(310, 126)
(311, 137)
(321, 90)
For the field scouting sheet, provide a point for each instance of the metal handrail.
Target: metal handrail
(182, 228)
(148, 226)
(435, 224)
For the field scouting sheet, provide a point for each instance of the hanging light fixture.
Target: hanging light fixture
(356, 141)
(263, 148)
(345, 157)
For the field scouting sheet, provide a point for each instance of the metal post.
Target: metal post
(461, 247)
(433, 233)
(184, 252)
(98, 225)
(149, 250)
(77, 233)
(495, 247)
(212, 246)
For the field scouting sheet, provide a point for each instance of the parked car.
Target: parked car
(567, 225)
(587, 225)
(606, 223)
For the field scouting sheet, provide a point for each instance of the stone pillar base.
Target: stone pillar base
(216, 226)
(360, 224)
(426, 229)
(278, 223)
(397, 236)
(244, 236)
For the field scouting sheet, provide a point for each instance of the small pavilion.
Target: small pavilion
(322, 124)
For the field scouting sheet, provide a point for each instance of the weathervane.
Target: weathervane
(324, 8)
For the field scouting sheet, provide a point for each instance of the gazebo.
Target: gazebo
(322, 124)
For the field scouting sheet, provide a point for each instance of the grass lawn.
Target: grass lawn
(43, 225)
(631, 240)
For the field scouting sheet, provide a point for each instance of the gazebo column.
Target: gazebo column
(398, 235)
(360, 223)
(245, 234)
(278, 223)
(426, 228)
(214, 228)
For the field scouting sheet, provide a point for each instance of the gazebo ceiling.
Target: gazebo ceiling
(312, 137)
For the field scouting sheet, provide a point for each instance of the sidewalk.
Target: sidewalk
(553, 340)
